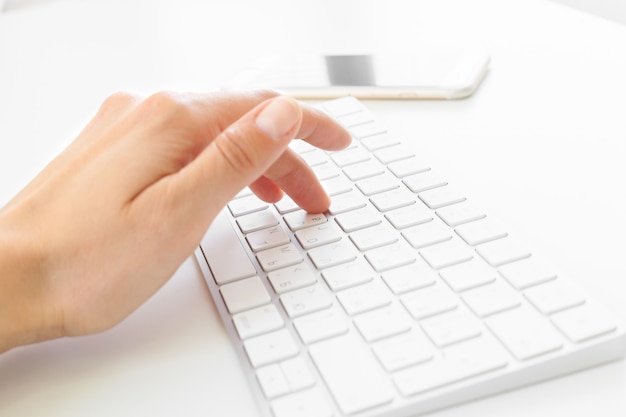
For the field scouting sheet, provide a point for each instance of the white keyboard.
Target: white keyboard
(404, 297)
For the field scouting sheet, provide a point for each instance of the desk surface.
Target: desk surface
(542, 144)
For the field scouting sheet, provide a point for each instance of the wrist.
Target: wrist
(24, 313)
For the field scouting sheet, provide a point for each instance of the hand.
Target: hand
(109, 221)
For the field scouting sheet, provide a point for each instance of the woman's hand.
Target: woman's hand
(109, 221)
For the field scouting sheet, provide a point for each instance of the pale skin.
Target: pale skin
(109, 221)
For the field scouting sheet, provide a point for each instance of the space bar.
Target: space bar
(224, 253)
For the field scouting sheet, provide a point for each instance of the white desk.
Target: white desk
(542, 144)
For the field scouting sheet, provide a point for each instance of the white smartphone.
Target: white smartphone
(440, 74)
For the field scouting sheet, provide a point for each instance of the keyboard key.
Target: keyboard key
(325, 171)
(584, 323)
(502, 251)
(321, 325)
(393, 153)
(355, 119)
(554, 296)
(333, 254)
(461, 361)
(272, 381)
(390, 256)
(427, 234)
(286, 205)
(336, 185)
(409, 216)
(314, 157)
(346, 202)
(446, 253)
(364, 297)
(305, 300)
(403, 350)
(358, 219)
(411, 277)
(407, 167)
(492, 298)
(257, 321)
(441, 197)
(383, 322)
(368, 129)
(267, 238)
(244, 294)
(297, 374)
(384, 140)
(300, 219)
(291, 278)
(373, 237)
(256, 221)
(480, 231)
(527, 272)
(453, 327)
(352, 374)
(525, 333)
(348, 275)
(270, 347)
(309, 403)
(224, 252)
(279, 257)
(429, 301)
(390, 200)
(424, 181)
(468, 275)
(460, 213)
(350, 157)
(246, 205)
(377, 184)
(364, 170)
(319, 235)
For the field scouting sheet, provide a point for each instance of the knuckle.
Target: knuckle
(231, 149)
(162, 100)
(117, 100)
(166, 106)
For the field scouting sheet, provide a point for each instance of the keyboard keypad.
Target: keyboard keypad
(403, 288)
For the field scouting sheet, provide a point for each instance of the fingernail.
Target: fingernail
(278, 118)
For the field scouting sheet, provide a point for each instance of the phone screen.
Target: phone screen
(361, 70)
(388, 70)
(439, 74)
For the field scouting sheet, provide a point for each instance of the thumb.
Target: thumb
(241, 153)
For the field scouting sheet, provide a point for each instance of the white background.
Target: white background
(610, 9)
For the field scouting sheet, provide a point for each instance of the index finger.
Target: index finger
(321, 130)
(291, 173)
